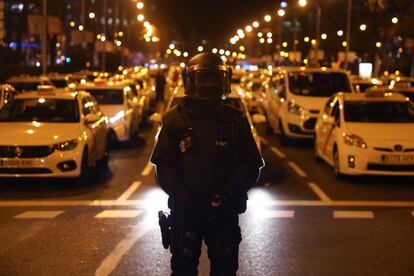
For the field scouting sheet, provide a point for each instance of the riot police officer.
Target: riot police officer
(206, 161)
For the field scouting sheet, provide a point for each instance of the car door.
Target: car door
(330, 130)
(323, 129)
(101, 130)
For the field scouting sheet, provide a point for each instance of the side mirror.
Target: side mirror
(259, 118)
(156, 118)
(92, 118)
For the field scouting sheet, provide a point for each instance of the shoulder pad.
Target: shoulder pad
(172, 119)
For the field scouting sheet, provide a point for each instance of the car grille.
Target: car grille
(391, 150)
(25, 151)
(25, 171)
(310, 123)
(391, 168)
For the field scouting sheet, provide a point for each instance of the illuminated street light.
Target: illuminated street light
(118, 43)
(72, 24)
(232, 41)
(214, 51)
(394, 20)
(314, 42)
(140, 17)
(200, 48)
(227, 53)
(121, 33)
(340, 33)
(91, 15)
(140, 5)
(103, 38)
(185, 54)
(262, 40)
(285, 44)
(240, 32)
(283, 4)
(172, 46)
(221, 52)
(268, 18)
(344, 43)
(260, 34)
(147, 24)
(269, 40)
(281, 12)
(249, 28)
(378, 44)
(269, 34)
(306, 39)
(242, 35)
(363, 27)
(242, 48)
(303, 3)
(324, 36)
(256, 24)
(80, 28)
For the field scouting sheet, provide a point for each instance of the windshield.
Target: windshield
(25, 86)
(60, 83)
(318, 84)
(108, 96)
(40, 110)
(408, 94)
(379, 112)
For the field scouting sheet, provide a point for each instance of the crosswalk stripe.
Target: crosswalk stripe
(353, 214)
(131, 189)
(119, 214)
(39, 214)
(278, 214)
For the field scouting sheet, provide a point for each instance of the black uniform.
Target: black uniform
(204, 151)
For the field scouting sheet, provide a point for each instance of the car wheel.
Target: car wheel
(337, 170)
(284, 140)
(84, 171)
(269, 129)
(104, 161)
(315, 151)
(112, 138)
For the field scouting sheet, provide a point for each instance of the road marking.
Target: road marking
(119, 214)
(297, 169)
(39, 214)
(113, 259)
(147, 170)
(318, 191)
(264, 141)
(353, 214)
(277, 152)
(125, 195)
(277, 214)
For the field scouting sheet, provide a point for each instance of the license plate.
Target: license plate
(16, 163)
(398, 159)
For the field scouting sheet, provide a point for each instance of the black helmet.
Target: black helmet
(206, 76)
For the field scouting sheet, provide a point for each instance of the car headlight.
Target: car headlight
(67, 145)
(295, 109)
(119, 116)
(354, 140)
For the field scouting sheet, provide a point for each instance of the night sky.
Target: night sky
(213, 20)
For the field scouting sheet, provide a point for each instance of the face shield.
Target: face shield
(209, 84)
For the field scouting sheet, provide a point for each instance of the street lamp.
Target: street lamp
(394, 20)
(281, 12)
(268, 18)
(363, 27)
(303, 3)
(256, 24)
(340, 33)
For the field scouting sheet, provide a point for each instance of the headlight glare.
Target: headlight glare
(354, 141)
(67, 145)
(295, 109)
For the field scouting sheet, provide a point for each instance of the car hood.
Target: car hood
(382, 132)
(310, 103)
(25, 133)
(111, 110)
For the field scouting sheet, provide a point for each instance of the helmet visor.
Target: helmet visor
(211, 84)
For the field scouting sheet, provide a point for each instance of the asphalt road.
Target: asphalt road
(300, 220)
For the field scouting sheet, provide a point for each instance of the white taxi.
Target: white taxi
(118, 102)
(298, 96)
(51, 133)
(371, 133)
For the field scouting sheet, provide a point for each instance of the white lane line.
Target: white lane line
(318, 191)
(264, 141)
(113, 259)
(277, 152)
(119, 214)
(277, 214)
(297, 169)
(147, 170)
(131, 189)
(39, 214)
(353, 214)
